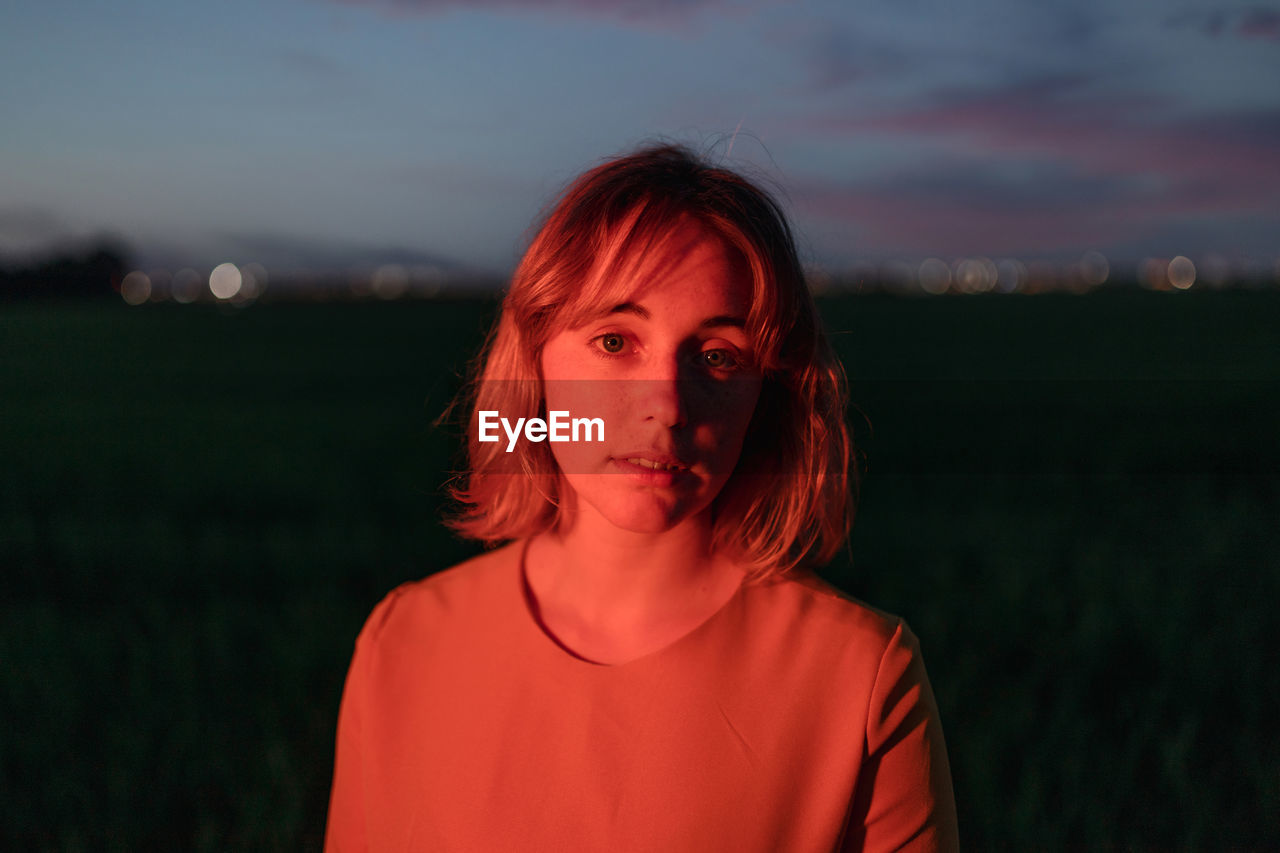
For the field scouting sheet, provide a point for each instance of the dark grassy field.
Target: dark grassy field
(1073, 500)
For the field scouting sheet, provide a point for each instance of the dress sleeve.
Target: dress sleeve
(345, 830)
(903, 799)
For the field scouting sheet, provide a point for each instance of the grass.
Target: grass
(1071, 499)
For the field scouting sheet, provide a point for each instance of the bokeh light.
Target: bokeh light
(1153, 274)
(897, 275)
(934, 276)
(1094, 268)
(425, 279)
(975, 275)
(1042, 277)
(253, 281)
(161, 285)
(1182, 273)
(390, 281)
(186, 286)
(1011, 274)
(136, 287)
(224, 281)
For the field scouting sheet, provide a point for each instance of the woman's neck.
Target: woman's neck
(622, 593)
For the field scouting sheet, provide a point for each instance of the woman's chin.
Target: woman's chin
(646, 514)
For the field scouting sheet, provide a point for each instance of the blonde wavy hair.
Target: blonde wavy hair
(790, 499)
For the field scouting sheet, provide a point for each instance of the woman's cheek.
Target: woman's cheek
(581, 400)
(731, 403)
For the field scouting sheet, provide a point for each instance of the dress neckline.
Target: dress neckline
(552, 645)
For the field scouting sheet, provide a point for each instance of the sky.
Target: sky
(331, 135)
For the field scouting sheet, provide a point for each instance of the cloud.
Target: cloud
(1048, 165)
(891, 49)
(674, 14)
(835, 55)
(1257, 22)
(1260, 24)
(1213, 162)
(971, 207)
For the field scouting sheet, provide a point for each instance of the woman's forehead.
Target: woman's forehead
(688, 254)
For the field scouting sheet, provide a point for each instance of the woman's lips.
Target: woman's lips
(651, 471)
(655, 464)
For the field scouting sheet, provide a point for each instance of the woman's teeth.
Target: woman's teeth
(657, 466)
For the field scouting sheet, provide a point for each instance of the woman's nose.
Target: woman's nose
(661, 394)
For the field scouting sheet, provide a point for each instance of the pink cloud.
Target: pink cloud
(1106, 138)
(1260, 24)
(951, 225)
(1159, 171)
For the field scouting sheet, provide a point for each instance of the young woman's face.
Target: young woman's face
(672, 373)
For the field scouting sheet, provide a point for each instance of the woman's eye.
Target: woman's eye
(719, 359)
(611, 343)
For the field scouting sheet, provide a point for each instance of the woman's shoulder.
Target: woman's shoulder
(460, 591)
(806, 591)
(812, 612)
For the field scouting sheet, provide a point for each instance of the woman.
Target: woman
(649, 663)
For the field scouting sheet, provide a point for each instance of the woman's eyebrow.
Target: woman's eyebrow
(717, 321)
(723, 320)
(628, 308)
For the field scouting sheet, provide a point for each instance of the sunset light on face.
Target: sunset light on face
(671, 373)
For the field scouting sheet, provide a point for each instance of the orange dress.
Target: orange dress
(792, 719)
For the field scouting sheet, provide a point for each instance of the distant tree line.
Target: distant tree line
(93, 270)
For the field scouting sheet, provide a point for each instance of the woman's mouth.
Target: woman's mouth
(652, 472)
(656, 466)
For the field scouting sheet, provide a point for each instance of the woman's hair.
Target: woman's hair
(789, 498)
